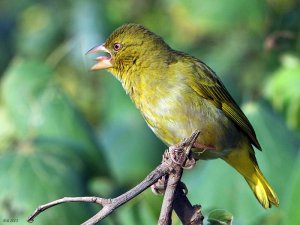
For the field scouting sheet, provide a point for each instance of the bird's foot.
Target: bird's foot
(179, 156)
(160, 186)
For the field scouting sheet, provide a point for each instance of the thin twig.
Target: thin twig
(160, 171)
(109, 205)
(64, 200)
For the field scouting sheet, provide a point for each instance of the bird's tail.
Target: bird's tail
(243, 160)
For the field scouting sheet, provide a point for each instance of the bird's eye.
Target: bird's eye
(117, 46)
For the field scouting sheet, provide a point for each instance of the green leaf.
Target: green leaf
(220, 217)
(30, 177)
(40, 110)
(215, 16)
(22, 84)
(283, 90)
(7, 130)
(39, 26)
(102, 186)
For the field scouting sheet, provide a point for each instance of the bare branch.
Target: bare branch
(160, 171)
(109, 205)
(186, 212)
(170, 165)
(167, 206)
(183, 151)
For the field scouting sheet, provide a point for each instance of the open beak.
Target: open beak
(104, 62)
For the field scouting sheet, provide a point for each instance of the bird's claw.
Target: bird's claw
(189, 163)
(180, 157)
(160, 186)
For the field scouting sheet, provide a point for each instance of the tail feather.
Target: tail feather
(262, 189)
(243, 160)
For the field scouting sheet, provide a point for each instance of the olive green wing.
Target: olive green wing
(210, 87)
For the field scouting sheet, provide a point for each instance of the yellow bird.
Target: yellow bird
(177, 94)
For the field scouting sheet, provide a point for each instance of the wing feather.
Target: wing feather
(210, 87)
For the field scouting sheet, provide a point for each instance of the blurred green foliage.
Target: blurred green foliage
(220, 217)
(68, 132)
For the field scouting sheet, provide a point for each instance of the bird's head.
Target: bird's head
(128, 47)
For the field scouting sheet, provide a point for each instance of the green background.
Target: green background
(65, 131)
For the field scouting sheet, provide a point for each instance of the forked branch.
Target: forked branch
(186, 212)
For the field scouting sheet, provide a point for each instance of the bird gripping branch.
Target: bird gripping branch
(177, 94)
